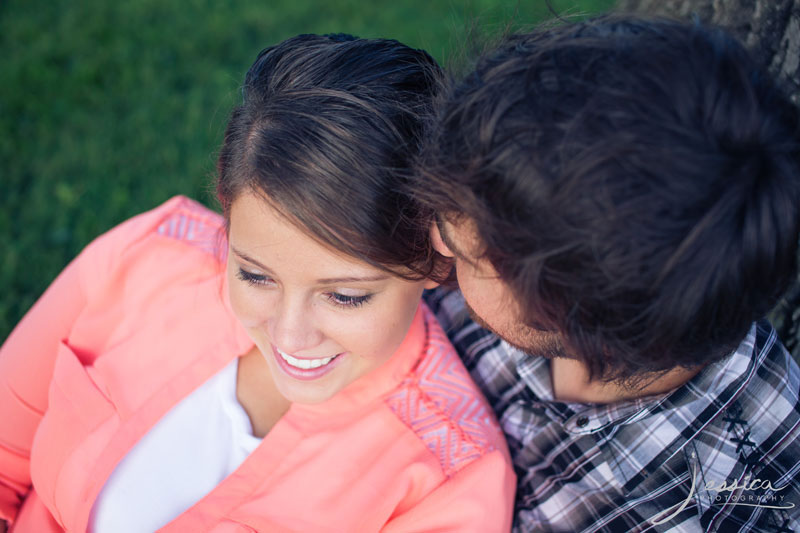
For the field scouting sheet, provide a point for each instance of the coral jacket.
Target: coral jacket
(141, 318)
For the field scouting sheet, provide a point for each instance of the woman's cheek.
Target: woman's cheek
(247, 306)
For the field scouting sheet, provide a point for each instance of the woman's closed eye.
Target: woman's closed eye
(338, 299)
(254, 279)
(344, 300)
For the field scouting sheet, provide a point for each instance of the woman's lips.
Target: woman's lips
(306, 369)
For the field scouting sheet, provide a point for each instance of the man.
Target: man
(620, 199)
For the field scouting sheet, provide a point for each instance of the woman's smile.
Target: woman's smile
(306, 368)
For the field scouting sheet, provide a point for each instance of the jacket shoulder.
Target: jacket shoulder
(189, 221)
(441, 404)
(180, 220)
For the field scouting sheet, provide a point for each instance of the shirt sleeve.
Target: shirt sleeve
(478, 498)
(26, 366)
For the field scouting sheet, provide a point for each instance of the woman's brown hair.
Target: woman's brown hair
(327, 133)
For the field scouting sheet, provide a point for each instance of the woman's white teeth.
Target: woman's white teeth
(305, 364)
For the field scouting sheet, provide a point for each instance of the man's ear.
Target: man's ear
(438, 242)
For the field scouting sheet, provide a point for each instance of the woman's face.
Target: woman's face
(320, 319)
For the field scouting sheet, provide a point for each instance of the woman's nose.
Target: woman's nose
(293, 327)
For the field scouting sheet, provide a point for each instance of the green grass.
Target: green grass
(109, 108)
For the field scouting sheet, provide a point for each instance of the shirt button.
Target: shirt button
(582, 421)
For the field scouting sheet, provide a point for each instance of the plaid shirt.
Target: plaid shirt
(720, 453)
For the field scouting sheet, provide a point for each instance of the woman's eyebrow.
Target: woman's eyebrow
(352, 279)
(323, 281)
(249, 259)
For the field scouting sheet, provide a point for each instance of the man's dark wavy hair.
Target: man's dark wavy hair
(633, 181)
(328, 132)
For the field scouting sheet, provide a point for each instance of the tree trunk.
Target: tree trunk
(771, 30)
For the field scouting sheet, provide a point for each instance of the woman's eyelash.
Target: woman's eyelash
(349, 301)
(252, 279)
(342, 300)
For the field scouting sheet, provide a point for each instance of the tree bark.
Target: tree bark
(771, 30)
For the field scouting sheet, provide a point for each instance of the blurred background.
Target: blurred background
(109, 108)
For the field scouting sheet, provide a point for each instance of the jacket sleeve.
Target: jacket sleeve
(478, 498)
(26, 366)
(27, 357)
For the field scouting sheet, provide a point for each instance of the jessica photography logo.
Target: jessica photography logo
(750, 491)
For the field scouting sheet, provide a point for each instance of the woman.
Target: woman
(271, 369)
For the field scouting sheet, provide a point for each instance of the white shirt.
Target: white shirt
(196, 445)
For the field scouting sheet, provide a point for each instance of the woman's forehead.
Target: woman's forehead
(262, 235)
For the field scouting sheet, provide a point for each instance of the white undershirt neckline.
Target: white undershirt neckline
(197, 444)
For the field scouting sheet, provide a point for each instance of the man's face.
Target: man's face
(489, 300)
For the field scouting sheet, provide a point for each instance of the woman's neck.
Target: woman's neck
(257, 393)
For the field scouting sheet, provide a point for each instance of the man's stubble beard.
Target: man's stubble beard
(526, 339)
